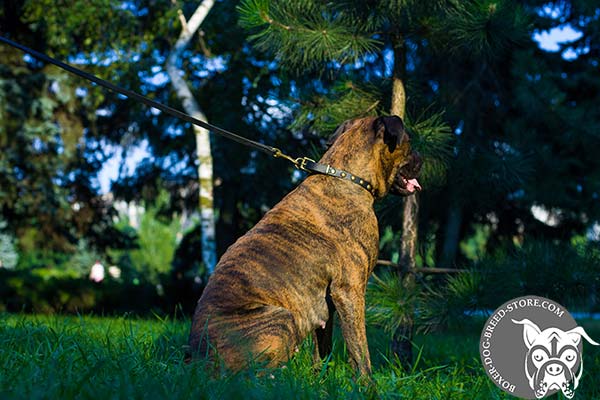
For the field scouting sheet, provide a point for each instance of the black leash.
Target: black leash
(302, 163)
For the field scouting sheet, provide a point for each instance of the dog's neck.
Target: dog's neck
(353, 162)
(336, 173)
(356, 199)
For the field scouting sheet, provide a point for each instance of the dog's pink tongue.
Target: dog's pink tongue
(413, 185)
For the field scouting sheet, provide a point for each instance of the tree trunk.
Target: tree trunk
(402, 338)
(203, 151)
(398, 97)
(451, 235)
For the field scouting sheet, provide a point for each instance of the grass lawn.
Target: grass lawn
(60, 357)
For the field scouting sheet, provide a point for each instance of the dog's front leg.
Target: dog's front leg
(349, 302)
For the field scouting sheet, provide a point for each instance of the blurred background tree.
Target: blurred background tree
(189, 27)
(58, 133)
(8, 250)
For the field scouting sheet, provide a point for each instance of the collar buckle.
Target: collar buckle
(301, 162)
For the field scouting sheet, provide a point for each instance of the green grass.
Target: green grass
(67, 357)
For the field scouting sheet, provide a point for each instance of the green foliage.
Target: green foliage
(32, 157)
(186, 263)
(431, 137)
(305, 35)
(565, 273)
(51, 291)
(82, 260)
(565, 93)
(80, 28)
(53, 140)
(155, 245)
(482, 27)
(41, 258)
(345, 101)
(430, 306)
(48, 264)
(46, 180)
(389, 303)
(475, 246)
(353, 85)
(448, 305)
(45, 290)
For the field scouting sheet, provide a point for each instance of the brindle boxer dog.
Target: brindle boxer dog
(312, 253)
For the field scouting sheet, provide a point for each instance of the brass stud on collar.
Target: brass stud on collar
(343, 174)
(368, 186)
(351, 177)
(333, 170)
(361, 181)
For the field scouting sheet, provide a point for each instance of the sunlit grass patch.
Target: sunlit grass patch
(75, 357)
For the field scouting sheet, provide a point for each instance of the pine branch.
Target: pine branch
(432, 138)
(304, 34)
(347, 100)
(481, 28)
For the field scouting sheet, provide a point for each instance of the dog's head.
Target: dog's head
(379, 150)
(553, 359)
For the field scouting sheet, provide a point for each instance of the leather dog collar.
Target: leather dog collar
(306, 164)
(310, 165)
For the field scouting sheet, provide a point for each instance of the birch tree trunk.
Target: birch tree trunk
(203, 151)
(402, 338)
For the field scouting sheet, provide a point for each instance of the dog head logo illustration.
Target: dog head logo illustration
(553, 360)
(531, 347)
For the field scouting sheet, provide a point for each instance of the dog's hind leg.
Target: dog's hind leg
(273, 334)
(265, 335)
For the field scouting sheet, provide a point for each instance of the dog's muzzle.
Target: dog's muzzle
(554, 374)
(406, 183)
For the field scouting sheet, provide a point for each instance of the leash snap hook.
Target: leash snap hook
(280, 154)
(299, 163)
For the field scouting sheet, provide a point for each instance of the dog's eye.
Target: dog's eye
(569, 355)
(538, 355)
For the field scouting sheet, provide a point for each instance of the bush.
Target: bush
(559, 271)
(46, 292)
(155, 244)
(568, 274)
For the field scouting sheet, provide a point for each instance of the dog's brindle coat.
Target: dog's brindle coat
(270, 290)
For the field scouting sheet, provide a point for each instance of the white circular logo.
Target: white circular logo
(531, 348)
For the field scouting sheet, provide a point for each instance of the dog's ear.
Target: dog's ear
(530, 331)
(338, 131)
(392, 129)
(577, 333)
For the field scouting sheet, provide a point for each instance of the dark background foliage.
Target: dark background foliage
(506, 129)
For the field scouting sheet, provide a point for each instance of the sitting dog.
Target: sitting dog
(311, 254)
(553, 360)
